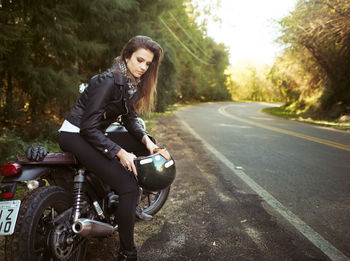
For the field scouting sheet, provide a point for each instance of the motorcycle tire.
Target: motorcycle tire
(153, 201)
(33, 228)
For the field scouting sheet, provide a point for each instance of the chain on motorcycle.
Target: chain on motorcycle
(63, 242)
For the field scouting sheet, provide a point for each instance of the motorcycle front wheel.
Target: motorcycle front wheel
(152, 201)
(37, 234)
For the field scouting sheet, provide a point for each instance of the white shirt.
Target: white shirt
(69, 127)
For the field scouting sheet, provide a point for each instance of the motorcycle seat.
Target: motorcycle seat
(53, 158)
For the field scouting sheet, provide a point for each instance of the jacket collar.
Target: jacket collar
(119, 79)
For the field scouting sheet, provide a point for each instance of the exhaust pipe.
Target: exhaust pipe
(92, 228)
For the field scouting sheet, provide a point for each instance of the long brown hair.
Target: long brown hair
(149, 78)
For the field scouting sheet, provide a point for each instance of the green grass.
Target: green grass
(281, 112)
(150, 118)
(287, 114)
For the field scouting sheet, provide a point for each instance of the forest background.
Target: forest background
(48, 48)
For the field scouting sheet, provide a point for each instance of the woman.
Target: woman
(123, 90)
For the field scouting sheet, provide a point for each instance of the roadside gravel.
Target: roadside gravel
(205, 218)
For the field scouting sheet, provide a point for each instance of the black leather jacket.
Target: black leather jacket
(101, 103)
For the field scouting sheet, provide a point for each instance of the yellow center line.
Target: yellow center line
(223, 111)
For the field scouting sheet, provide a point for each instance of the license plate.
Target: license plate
(8, 216)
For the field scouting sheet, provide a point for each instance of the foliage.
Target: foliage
(47, 48)
(311, 76)
(12, 144)
(248, 81)
(313, 72)
(200, 62)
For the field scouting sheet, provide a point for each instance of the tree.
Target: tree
(47, 48)
(319, 32)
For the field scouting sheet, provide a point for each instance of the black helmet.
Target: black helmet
(155, 172)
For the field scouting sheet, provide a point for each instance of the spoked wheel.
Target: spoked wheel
(153, 201)
(41, 231)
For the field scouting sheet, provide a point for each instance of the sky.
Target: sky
(247, 27)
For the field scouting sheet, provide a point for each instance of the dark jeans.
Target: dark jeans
(113, 174)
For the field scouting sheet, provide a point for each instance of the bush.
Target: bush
(12, 145)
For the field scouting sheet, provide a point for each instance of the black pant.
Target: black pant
(113, 174)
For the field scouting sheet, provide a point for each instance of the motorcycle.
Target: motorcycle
(64, 207)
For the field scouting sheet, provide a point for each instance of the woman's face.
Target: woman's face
(139, 62)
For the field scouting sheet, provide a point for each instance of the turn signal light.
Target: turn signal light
(10, 169)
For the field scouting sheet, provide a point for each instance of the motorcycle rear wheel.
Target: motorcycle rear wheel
(34, 227)
(152, 201)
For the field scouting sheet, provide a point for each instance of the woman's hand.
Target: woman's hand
(127, 160)
(149, 144)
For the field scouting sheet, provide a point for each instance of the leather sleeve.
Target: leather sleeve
(101, 91)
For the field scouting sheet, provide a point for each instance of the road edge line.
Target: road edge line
(315, 238)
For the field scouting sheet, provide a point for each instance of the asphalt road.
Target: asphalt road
(300, 170)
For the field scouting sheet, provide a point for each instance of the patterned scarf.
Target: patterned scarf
(120, 66)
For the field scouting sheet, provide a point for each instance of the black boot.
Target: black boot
(142, 215)
(124, 255)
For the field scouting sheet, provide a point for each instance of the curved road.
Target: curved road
(300, 170)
